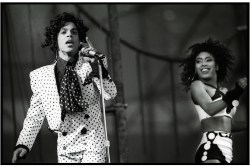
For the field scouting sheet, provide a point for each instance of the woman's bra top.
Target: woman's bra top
(217, 96)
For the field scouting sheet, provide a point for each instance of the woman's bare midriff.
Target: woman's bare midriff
(220, 123)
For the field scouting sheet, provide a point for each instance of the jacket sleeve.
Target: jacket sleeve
(108, 84)
(34, 118)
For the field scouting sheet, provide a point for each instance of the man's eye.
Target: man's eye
(75, 32)
(63, 32)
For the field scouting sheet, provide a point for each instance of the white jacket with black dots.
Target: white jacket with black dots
(79, 131)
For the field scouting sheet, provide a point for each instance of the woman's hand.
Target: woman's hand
(202, 98)
(242, 82)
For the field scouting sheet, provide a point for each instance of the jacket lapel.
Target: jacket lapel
(51, 97)
(51, 81)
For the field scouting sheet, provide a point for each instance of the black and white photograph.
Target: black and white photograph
(125, 83)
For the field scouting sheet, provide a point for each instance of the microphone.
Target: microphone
(94, 54)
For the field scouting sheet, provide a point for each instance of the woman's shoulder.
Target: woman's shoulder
(196, 87)
(196, 84)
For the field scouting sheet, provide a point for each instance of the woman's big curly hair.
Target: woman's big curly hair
(222, 55)
(55, 26)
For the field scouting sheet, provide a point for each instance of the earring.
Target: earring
(217, 67)
(191, 78)
(56, 57)
(57, 54)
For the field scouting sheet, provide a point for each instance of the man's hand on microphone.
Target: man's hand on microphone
(88, 59)
(84, 52)
(87, 53)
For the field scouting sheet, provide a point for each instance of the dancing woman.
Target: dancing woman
(205, 72)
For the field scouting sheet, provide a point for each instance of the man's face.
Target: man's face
(68, 39)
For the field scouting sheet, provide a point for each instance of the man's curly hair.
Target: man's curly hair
(55, 26)
(222, 55)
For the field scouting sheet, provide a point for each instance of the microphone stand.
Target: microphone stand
(107, 143)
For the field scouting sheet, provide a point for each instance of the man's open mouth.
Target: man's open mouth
(69, 42)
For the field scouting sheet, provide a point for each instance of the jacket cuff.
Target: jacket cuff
(22, 146)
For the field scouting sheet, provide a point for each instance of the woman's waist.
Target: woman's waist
(219, 123)
(221, 138)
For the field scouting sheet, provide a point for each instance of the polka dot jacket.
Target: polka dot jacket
(79, 131)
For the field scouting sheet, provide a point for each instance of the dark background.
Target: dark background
(160, 129)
